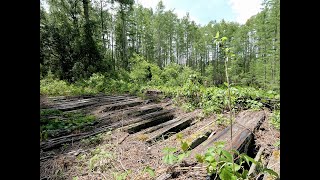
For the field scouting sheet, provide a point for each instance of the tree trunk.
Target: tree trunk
(102, 26)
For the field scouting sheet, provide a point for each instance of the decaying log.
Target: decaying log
(168, 123)
(149, 122)
(130, 111)
(201, 138)
(130, 122)
(245, 123)
(82, 103)
(155, 117)
(179, 124)
(120, 105)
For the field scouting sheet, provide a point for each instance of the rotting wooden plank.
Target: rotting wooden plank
(98, 107)
(80, 103)
(118, 119)
(200, 139)
(245, 123)
(71, 99)
(159, 126)
(130, 122)
(57, 99)
(200, 135)
(149, 122)
(178, 125)
(130, 111)
(108, 124)
(112, 117)
(119, 105)
(55, 142)
(88, 102)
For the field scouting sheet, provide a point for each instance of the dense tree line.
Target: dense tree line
(81, 37)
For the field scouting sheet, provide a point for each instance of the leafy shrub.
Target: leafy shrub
(275, 119)
(97, 82)
(219, 162)
(143, 71)
(170, 74)
(56, 87)
(62, 121)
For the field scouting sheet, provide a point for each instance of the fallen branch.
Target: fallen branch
(253, 166)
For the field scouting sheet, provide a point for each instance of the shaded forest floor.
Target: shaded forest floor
(127, 135)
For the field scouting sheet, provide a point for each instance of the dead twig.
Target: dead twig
(127, 135)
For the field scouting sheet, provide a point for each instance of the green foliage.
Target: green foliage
(220, 162)
(252, 104)
(100, 158)
(192, 95)
(222, 120)
(52, 121)
(170, 154)
(170, 75)
(277, 144)
(75, 43)
(169, 157)
(121, 176)
(150, 171)
(275, 119)
(50, 86)
(50, 112)
(188, 92)
(92, 140)
(97, 82)
(144, 72)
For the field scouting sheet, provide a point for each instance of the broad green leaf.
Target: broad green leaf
(169, 159)
(271, 172)
(276, 144)
(150, 171)
(248, 159)
(245, 173)
(217, 35)
(167, 150)
(226, 174)
(227, 155)
(181, 156)
(220, 144)
(224, 39)
(199, 158)
(236, 166)
(214, 165)
(179, 136)
(209, 159)
(184, 146)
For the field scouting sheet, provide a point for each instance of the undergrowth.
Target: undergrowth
(182, 84)
(56, 121)
(218, 161)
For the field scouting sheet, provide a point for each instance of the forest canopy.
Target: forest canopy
(115, 38)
